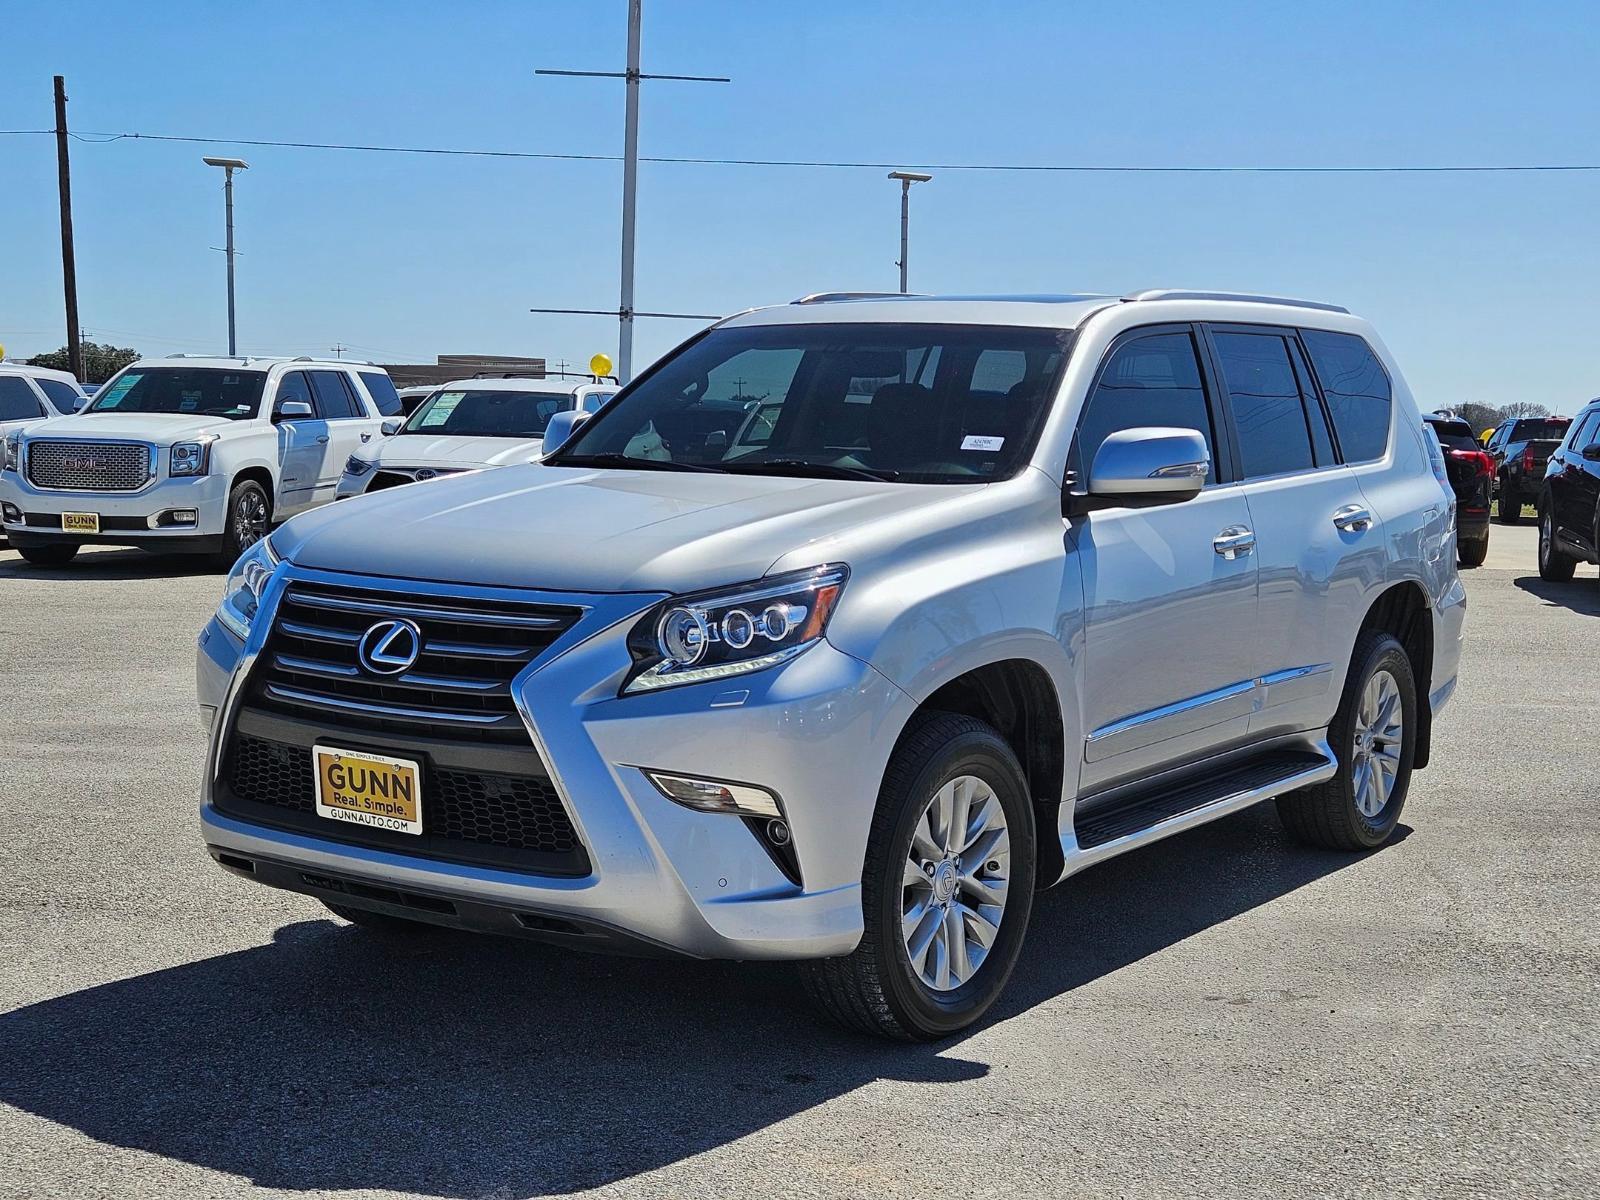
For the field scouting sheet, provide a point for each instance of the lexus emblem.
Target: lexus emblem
(390, 647)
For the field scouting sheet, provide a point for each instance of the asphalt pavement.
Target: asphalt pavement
(1222, 1015)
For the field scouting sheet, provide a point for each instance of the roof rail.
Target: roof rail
(1244, 297)
(544, 375)
(832, 297)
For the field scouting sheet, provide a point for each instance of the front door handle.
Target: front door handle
(1235, 541)
(1352, 518)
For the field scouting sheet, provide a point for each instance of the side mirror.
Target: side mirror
(391, 427)
(290, 410)
(560, 429)
(1151, 465)
(80, 403)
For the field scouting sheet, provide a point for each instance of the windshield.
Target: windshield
(914, 403)
(197, 391)
(487, 413)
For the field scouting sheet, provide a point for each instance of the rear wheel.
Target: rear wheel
(1553, 564)
(947, 887)
(1510, 510)
(1472, 554)
(1374, 733)
(249, 514)
(48, 556)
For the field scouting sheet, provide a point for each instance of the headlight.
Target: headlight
(356, 466)
(13, 450)
(189, 458)
(712, 635)
(241, 595)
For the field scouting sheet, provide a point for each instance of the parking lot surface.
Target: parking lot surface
(1224, 1014)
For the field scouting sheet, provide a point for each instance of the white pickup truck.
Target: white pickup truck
(198, 455)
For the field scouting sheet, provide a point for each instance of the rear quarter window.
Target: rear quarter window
(1357, 390)
(381, 388)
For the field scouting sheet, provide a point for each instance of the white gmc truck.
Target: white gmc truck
(189, 455)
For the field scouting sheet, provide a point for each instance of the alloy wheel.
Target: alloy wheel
(955, 882)
(249, 518)
(1379, 729)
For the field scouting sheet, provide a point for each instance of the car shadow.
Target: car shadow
(1581, 595)
(458, 1066)
(110, 564)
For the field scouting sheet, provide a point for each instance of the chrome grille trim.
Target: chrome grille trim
(472, 648)
(56, 464)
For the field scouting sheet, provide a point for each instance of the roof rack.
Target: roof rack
(545, 375)
(833, 297)
(1243, 297)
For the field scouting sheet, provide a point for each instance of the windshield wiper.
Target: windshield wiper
(613, 459)
(802, 467)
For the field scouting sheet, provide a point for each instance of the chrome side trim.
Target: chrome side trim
(1077, 859)
(1296, 683)
(1171, 720)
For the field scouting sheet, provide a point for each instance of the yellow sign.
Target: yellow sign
(2, 351)
(600, 364)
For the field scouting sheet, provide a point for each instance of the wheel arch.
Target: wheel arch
(256, 474)
(1019, 699)
(1404, 611)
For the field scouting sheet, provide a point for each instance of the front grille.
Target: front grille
(459, 685)
(461, 809)
(88, 466)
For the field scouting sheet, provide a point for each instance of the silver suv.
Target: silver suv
(844, 629)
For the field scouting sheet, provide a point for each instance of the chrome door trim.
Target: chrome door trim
(1171, 720)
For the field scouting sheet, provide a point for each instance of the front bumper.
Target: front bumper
(817, 731)
(31, 516)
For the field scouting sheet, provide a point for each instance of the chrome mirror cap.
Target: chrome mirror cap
(1150, 461)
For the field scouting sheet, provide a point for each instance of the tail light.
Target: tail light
(1481, 462)
(1527, 458)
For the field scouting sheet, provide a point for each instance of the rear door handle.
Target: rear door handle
(323, 440)
(1352, 518)
(1235, 541)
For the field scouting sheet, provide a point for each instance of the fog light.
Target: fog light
(716, 795)
(10, 514)
(185, 516)
(778, 833)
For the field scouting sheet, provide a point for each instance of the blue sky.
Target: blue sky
(1484, 286)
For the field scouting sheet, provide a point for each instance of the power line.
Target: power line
(102, 138)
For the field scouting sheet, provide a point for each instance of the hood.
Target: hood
(144, 427)
(453, 450)
(583, 530)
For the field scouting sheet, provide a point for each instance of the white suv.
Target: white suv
(469, 425)
(31, 394)
(199, 455)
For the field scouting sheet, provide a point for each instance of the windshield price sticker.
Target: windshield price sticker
(975, 441)
(118, 390)
(441, 409)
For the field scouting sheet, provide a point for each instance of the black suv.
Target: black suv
(1471, 475)
(1520, 447)
(1569, 503)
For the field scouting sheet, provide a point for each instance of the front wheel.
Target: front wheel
(947, 887)
(249, 514)
(1553, 564)
(1374, 733)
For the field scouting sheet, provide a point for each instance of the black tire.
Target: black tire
(1328, 815)
(1472, 554)
(1553, 564)
(1509, 510)
(48, 556)
(383, 923)
(248, 521)
(876, 989)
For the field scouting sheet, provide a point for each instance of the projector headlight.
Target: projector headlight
(732, 631)
(241, 595)
(189, 458)
(13, 451)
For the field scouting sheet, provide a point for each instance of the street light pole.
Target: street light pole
(229, 166)
(906, 178)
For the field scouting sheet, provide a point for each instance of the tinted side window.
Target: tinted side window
(381, 389)
(1586, 431)
(1268, 410)
(1152, 380)
(17, 401)
(1356, 388)
(293, 386)
(334, 401)
(62, 395)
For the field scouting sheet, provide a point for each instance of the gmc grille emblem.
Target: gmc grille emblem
(84, 464)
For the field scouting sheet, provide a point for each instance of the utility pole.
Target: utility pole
(69, 262)
(338, 351)
(229, 166)
(630, 184)
(906, 178)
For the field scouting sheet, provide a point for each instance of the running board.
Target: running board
(1102, 833)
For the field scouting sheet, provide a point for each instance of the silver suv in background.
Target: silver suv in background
(845, 628)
